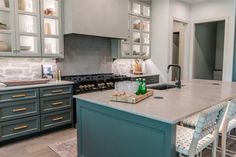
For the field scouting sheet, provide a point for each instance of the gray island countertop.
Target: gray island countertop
(177, 104)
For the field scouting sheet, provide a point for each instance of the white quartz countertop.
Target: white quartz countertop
(143, 75)
(177, 104)
(50, 83)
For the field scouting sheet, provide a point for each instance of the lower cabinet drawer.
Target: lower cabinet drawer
(17, 128)
(55, 103)
(16, 95)
(56, 90)
(19, 109)
(55, 119)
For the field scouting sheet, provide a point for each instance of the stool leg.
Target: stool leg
(223, 144)
(214, 146)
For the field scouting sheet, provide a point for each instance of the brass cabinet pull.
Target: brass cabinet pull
(19, 109)
(57, 103)
(57, 91)
(21, 127)
(57, 119)
(19, 96)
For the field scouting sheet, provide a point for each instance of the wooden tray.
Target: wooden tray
(21, 83)
(132, 99)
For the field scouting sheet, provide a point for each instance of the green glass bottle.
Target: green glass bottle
(143, 87)
(139, 83)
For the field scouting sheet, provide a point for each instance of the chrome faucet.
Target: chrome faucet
(178, 83)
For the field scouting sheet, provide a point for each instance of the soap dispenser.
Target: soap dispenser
(144, 68)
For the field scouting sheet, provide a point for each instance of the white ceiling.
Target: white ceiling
(194, 1)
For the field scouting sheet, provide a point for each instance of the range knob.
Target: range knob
(89, 86)
(81, 87)
(85, 87)
(93, 86)
(109, 84)
(99, 85)
(103, 85)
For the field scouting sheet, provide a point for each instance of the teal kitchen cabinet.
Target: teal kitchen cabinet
(24, 111)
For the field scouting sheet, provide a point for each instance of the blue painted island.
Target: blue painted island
(145, 129)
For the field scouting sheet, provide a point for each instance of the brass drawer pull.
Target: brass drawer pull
(58, 119)
(21, 127)
(57, 103)
(57, 91)
(19, 96)
(19, 110)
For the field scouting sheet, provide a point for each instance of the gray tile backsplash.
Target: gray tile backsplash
(85, 55)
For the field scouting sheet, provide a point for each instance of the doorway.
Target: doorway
(209, 50)
(178, 46)
(175, 54)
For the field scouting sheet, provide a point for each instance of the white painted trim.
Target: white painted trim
(185, 49)
(226, 43)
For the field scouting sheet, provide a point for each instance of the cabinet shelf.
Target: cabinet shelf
(51, 36)
(5, 9)
(2, 31)
(27, 13)
(29, 34)
(51, 17)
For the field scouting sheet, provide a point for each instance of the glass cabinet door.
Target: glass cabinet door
(136, 8)
(136, 50)
(51, 25)
(7, 29)
(28, 28)
(146, 11)
(125, 43)
(140, 40)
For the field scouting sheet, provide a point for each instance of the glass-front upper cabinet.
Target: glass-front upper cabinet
(140, 37)
(51, 24)
(137, 45)
(141, 9)
(125, 43)
(7, 29)
(28, 28)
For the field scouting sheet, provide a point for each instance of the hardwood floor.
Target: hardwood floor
(38, 146)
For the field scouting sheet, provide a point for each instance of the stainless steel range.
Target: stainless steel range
(94, 82)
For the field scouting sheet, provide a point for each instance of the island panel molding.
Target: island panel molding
(108, 132)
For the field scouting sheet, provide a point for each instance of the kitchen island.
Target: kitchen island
(145, 129)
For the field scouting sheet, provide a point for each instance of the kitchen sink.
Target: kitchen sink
(162, 86)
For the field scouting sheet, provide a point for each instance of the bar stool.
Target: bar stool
(191, 142)
(227, 125)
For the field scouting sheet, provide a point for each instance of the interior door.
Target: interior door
(175, 55)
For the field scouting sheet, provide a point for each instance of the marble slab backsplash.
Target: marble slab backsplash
(23, 68)
(123, 67)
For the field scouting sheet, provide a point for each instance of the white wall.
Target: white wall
(180, 11)
(163, 14)
(218, 10)
(160, 36)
